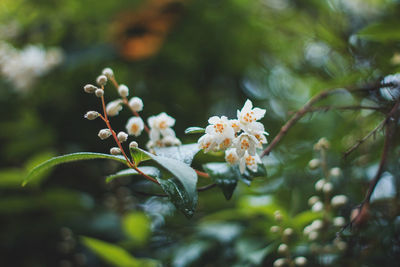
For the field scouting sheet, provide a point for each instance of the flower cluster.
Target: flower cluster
(239, 138)
(23, 67)
(160, 132)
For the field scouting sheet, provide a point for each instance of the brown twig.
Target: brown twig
(297, 116)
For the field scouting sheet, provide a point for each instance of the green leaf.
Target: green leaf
(149, 170)
(382, 31)
(194, 130)
(224, 175)
(248, 176)
(304, 218)
(181, 190)
(183, 153)
(138, 156)
(115, 255)
(137, 226)
(68, 158)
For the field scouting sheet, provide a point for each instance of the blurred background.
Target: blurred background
(193, 59)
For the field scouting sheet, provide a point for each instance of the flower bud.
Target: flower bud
(314, 163)
(101, 80)
(122, 136)
(300, 261)
(104, 134)
(288, 232)
(283, 248)
(327, 188)
(278, 215)
(317, 207)
(313, 235)
(89, 88)
(123, 90)
(280, 262)
(136, 104)
(91, 115)
(312, 200)
(133, 144)
(338, 200)
(99, 92)
(317, 224)
(114, 107)
(115, 151)
(335, 172)
(108, 72)
(319, 184)
(275, 229)
(339, 221)
(322, 143)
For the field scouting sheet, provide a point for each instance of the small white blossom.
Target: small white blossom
(235, 124)
(250, 161)
(335, 172)
(170, 140)
(101, 80)
(248, 114)
(312, 200)
(288, 232)
(283, 248)
(136, 104)
(319, 185)
(90, 88)
(314, 163)
(104, 134)
(275, 229)
(122, 136)
(246, 143)
(220, 128)
(257, 130)
(317, 224)
(114, 107)
(339, 221)
(91, 115)
(317, 207)
(327, 188)
(279, 262)
(207, 142)
(161, 122)
(99, 92)
(115, 151)
(123, 90)
(300, 261)
(231, 156)
(108, 72)
(313, 235)
(338, 200)
(135, 126)
(133, 144)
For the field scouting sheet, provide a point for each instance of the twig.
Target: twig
(297, 116)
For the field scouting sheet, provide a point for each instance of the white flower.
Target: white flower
(317, 207)
(300, 261)
(246, 143)
(231, 156)
(114, 107)
(207, 142)
(108, 72)
(122, 136)
(235, 124)
(101, 80)
(104, 134)
(248, 114)
(339, 221)
(133, 144)
(135, 126)
(161, 122)
(115, 151)
(338, 200)
(123, 90)
(170, 140)
(91, 115)
(250, 161)
(136, 104)
(312, 200)
(257, 129)
(221, 129)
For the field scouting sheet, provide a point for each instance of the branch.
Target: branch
(297, 116)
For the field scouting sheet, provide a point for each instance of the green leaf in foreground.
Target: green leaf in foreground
(149, 170)
(194, 130)
(181, 190)
(116, 255)
(138, 156)
(224, 175)
(68, 158)
(183, 153)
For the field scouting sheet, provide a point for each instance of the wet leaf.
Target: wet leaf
(194, 130)
(224, 175)
(149, 170)
(183, 153)
(138, 156)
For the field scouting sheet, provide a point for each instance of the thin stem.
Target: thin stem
(297, 116)
(202, 174)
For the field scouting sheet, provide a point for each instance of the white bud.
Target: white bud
(283, 248)
(338, 200)
(314, 163)
(327, 188)
(335, 172)
(279, 262)
(278, 215)
(99, 92)
(288, 232)
(317, 224)
(312, 200)
(91, 115)
(300, 261)
(133, 144)
(275, 229)
(307, 230)
(114, 107)
(313, 235)
(319, 184)
(136, 104)
(108, 72)
(104, 134)
(115, 151)
(322, 143)
(339, 221)
(135, 126)
(123, 90)
(101, 80)
(89, 88)
(122, 136)
(318, 206)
